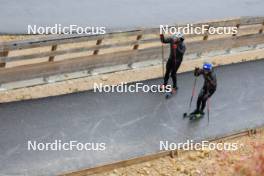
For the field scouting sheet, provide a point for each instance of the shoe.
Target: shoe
(195, 112)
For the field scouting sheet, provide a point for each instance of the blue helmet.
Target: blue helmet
(207, 66)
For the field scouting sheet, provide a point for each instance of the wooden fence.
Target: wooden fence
(40, 58)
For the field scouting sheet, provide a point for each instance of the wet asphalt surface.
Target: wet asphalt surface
(130, 124)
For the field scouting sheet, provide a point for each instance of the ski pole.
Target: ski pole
(162, 59)
(208, 110)
(193, 92)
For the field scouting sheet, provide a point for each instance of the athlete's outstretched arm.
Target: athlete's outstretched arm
(164, 40)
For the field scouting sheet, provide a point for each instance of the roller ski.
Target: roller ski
(194, 115)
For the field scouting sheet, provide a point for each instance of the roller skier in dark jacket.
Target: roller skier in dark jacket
(177, 50)
(208, 88)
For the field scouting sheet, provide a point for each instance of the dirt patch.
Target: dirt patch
(248, 160)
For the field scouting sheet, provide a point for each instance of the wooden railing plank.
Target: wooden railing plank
(216, 44)
(124, 57)
(17, 45)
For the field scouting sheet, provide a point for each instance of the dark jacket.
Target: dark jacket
(210, 82)
(177, 48)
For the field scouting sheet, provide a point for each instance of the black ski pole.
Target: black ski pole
(193, 92)
(162, 55)
(208, 111)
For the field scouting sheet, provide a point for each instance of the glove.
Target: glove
(196, 71)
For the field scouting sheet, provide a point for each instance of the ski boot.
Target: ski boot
(196, 111)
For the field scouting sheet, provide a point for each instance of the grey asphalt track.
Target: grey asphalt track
(16, 15)
(131, 124)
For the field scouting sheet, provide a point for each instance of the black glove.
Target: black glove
(196, 71)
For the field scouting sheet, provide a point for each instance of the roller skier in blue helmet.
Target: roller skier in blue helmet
(208, 88)
(177, 50)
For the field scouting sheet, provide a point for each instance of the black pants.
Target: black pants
(171, 69)
(203, 97)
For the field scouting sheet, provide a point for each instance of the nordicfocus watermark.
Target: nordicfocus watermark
(71, 29)
(58, 145)
(203, 145)
(198, 30)
(124, 88)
